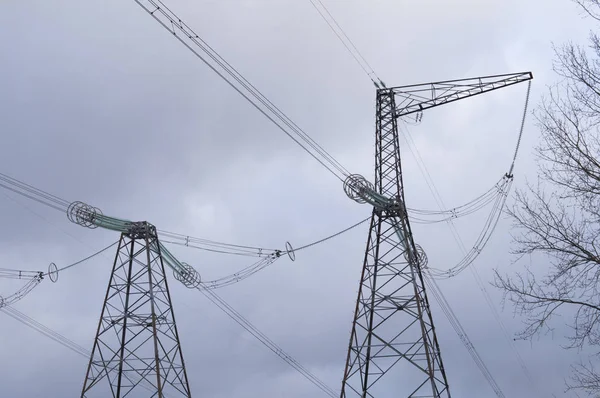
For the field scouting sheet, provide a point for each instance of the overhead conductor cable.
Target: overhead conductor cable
(161, 13)
(118, 224)
(347, 42)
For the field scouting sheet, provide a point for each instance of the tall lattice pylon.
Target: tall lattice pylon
(136, 351)
(393, 336)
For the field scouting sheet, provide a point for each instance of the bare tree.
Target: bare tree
(559, 217)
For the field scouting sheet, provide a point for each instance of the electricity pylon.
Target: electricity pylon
(137, 344)
(393, 336)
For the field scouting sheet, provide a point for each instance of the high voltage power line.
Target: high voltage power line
(53, 335)
(57, 203)
(266, 256)
(462, 334)
(356, 188)
(54, 202)
(483, 200)
(214, 298)
(182, 32)
(267, 342)
(347, 42)
(46, 331)
(460, 243)
(211, 295)
(161, 13)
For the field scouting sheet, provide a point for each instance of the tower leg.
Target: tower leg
(137, 344)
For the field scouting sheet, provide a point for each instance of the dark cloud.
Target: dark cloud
(99, 104)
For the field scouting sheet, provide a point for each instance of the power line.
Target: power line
(54, 202)
(332, 236)
(267, 256)
(246, 253)
(348, 43)
(252, 251)
(57, 337)
(266, 259)
(33, 278)
(83, 259)
(488, 228)
(36, 191)
(267, 342)
(240, 275)
(462, 210)
(213, 297)
(512, 165)
(22, 292)
(461, 245)
(172, 23)
(46, 331)
(462, 334)
(26, 274)
(44, 198)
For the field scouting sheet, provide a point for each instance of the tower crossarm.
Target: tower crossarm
(91, 217)
(418, 97)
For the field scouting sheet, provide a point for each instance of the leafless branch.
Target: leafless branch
(559, 216)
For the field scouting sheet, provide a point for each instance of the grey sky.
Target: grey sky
(98, 103)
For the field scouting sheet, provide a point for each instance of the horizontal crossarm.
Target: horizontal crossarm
(418, 97)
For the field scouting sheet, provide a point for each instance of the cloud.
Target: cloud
(99, 104)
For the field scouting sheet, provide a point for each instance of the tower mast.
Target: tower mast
(393, 335)
(137, 344)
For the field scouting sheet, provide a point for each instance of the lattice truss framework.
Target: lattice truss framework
(419, 97)
(137, 351)
(393, 336)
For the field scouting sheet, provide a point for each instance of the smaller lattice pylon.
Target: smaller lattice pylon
(137, 351)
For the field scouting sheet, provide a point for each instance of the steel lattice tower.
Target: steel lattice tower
(393, 335)
(136, 350)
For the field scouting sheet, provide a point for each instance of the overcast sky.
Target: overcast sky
(98, 103)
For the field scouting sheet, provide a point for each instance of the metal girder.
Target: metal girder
(136, 351)
(418, 97)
